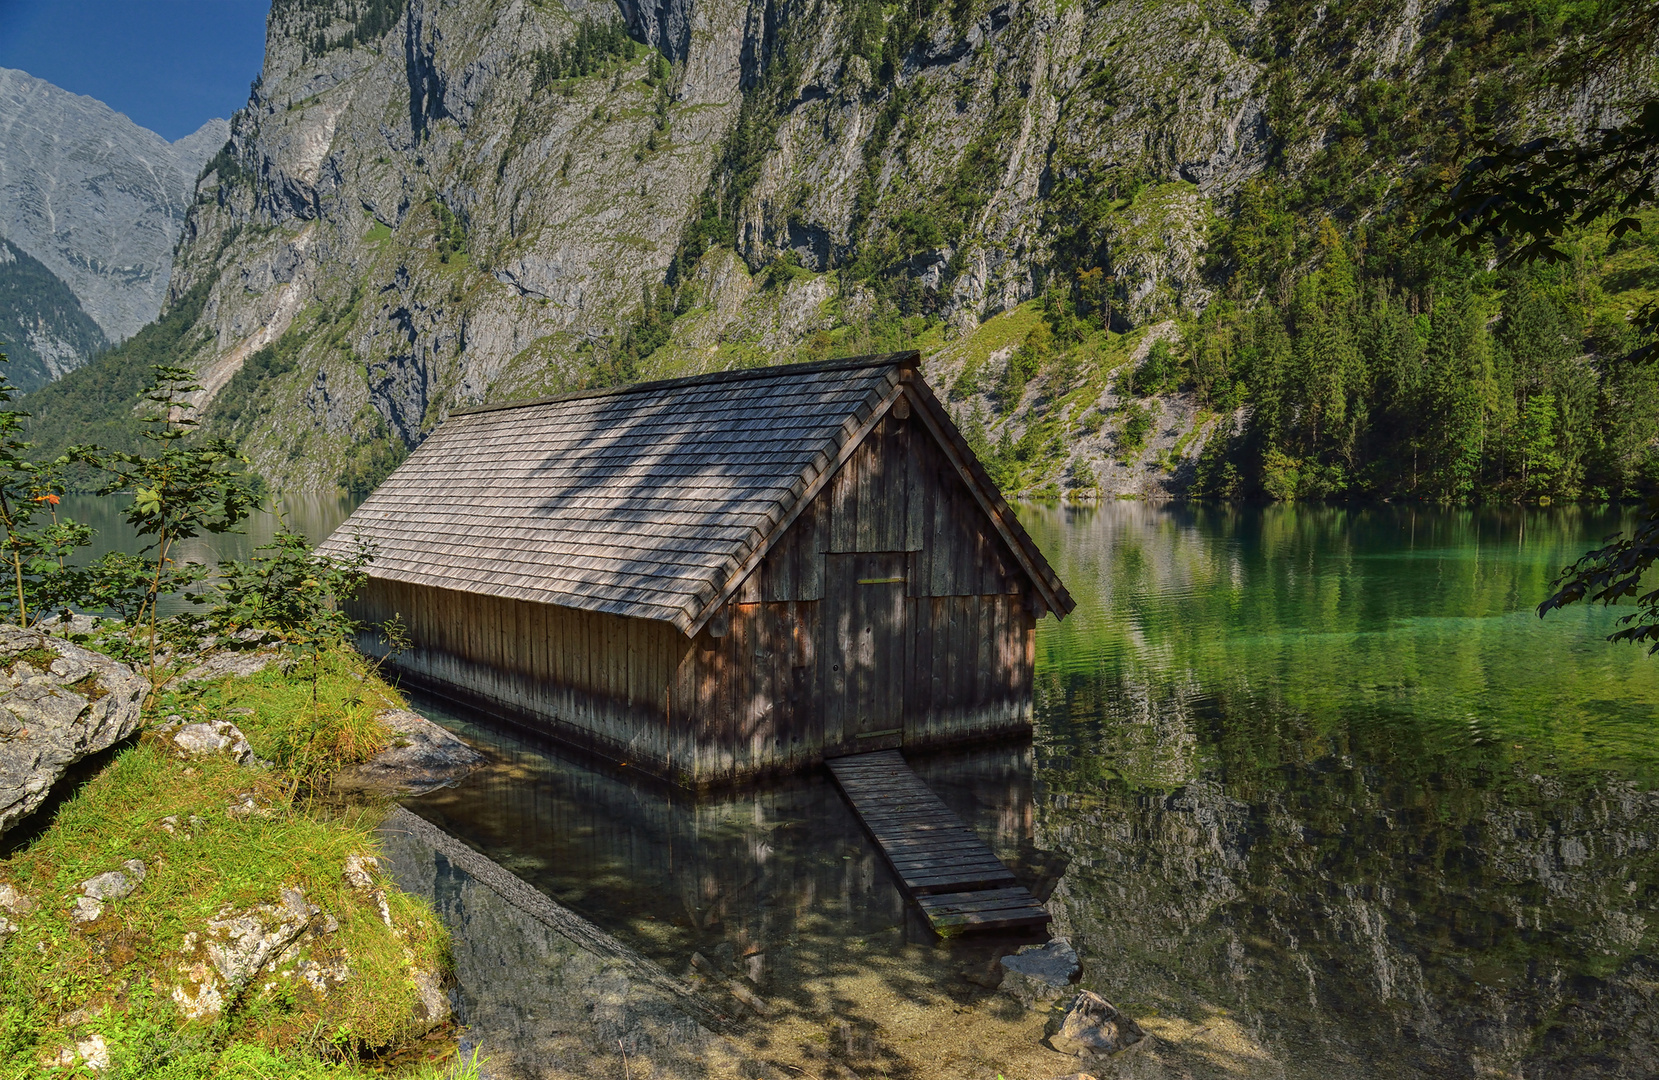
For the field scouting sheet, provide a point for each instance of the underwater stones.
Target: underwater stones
(1039, 974)
(422, 757)
(1093, 1027)
(196, 740)
(58, 704)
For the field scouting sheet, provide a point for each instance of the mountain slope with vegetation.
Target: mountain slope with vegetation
(42, 326)
(1147, 247)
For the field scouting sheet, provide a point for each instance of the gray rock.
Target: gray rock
(114, 884)
(15, 900)
(47, 724)
(422, 757)
(1038, 974)
(196, 740)
(238, 944)
(96, 198)
(238, 663)
(358, 870)
(87, 909)
(1093, 1027)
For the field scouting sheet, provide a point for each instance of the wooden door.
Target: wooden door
(864, 663)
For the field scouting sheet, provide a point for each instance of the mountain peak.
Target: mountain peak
(97, 199)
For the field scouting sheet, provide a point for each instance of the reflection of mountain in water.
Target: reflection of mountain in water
(1321, 778)
(1289, 793)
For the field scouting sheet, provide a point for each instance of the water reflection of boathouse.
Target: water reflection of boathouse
(716, 577)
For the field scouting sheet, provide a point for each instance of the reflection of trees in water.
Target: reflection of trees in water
(1353, 890)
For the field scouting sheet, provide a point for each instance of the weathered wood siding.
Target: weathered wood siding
(586, 677)
(773, 693)
(890, 613)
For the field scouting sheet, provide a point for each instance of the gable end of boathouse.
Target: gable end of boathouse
(713, 578)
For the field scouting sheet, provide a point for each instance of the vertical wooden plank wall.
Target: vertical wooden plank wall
(755, 700)
(589, 678)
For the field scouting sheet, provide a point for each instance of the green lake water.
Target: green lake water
(1326, 770)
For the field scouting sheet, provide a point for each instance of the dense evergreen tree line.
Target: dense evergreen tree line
(1417, 372)
(369, 21)
(32, 300)
(594, 47)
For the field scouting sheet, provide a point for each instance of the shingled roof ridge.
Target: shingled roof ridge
(892, 359)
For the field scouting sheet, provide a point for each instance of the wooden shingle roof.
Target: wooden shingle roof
(646, 501)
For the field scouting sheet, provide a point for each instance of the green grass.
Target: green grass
(62, 981)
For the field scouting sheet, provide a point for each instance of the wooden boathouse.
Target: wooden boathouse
(717, 577)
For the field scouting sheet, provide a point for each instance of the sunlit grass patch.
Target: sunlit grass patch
(216, 838)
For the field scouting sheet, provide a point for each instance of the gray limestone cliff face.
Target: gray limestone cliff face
(97, 199)
(438, 217)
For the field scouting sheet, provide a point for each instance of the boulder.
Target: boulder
(1039, 974)
(422, 757)
(58, 704)
(220, 736)
(114, 884)
(237, 945)
(1094, 1028)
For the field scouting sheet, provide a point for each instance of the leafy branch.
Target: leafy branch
(179, 489)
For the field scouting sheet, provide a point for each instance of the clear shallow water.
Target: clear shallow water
(1318, 778)
(1326, 771)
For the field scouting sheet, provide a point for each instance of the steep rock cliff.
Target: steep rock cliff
(490, 199)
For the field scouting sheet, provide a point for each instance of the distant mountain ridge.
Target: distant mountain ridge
(97, 199)
(43, 329)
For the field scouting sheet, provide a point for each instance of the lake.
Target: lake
(1328, 797)
(1313, 789)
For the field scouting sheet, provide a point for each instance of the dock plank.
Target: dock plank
(957, 881)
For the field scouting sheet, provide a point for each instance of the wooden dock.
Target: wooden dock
(955, 879)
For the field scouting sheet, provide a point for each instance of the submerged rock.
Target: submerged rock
(58, 704)
(1093, 1027)
(421, 758)
(1038, 974)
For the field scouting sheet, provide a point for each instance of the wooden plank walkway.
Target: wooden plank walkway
(957, 881)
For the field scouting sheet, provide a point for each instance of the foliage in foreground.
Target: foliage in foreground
(61, 981)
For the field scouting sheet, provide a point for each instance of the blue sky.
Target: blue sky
(170, 65)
